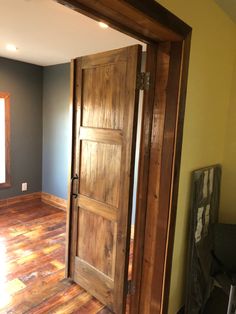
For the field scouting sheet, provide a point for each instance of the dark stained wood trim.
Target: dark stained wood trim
(131, 139)
(163, 182)
(144, 20)
(162, 15)
(154, 246)
(141, 207)
(176, 168)
(54, 200)
(19, 198)
(44, 197)
(101, 17)
(166, 174)
(77, 99)
(68, 272)
(6, 96)
(69, 214)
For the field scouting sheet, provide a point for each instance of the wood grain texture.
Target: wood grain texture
(145, 20)
(100, 172)
(106, 102)
(100, 135)
(76, 96)
(177, 157)
(121, 16)
(54, 200)
(141, 207)
(101, 287)
(96, 241)
(123, 20)
(19, 199)
(162, 156)
(45, 197)
(70, 186)
(126, 190)
(32, 246)
(104, 108)
(104, 210)
(33, 238)
(153, 195)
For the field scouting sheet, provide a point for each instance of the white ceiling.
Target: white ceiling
(229, 6)
(47, 33)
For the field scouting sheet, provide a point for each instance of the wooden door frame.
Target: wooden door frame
(168, 51)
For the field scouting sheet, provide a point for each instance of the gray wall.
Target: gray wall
(56, 129)
(24, 83)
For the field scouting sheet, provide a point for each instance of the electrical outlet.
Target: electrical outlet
(24, 187)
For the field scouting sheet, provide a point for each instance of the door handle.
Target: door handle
(74, 195)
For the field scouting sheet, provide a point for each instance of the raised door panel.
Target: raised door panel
(100, 171)
(102, 104)
(99, 248)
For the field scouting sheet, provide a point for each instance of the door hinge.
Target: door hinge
(143, 81)
(130, 287)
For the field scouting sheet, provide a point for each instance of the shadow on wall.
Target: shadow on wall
(40, 126)
(56, 129)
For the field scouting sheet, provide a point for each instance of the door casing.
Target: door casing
(168, 39)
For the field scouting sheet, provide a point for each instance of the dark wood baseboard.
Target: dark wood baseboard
(54, 200)
(45, 197)
(20, 198)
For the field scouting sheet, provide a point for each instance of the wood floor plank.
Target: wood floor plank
(32, 265)
(55, 300)
(35, 291)
(73, 304)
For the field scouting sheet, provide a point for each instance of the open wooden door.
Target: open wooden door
(105, 102)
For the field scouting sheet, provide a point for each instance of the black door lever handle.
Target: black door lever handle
(75, 195)
(74, 178)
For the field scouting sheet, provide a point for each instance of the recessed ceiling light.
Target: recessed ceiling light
(11, 47)
(103, 25)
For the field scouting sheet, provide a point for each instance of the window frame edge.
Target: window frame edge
(7, 183)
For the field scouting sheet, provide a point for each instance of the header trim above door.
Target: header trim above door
(145, 20)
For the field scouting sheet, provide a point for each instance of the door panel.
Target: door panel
(106, 102)
(104, 107)
(88, 248)
(100, 168)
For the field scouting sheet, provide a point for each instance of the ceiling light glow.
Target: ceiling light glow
(11, 47)
(103, 25)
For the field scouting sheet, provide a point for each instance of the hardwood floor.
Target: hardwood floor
(32, 250)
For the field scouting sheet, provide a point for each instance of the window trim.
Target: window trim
(6, 97)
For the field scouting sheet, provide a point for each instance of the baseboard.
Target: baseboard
(45, 197)
(20, 198)
(54, 200)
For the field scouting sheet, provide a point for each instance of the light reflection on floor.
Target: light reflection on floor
(5, 296)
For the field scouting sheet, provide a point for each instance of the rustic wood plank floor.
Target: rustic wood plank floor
(32, 261)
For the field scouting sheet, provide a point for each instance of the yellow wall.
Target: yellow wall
(209, 88)
(228, 187)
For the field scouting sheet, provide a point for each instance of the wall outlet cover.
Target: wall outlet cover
(24, 187)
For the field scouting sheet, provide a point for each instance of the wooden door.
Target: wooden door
(105, 101)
